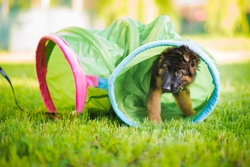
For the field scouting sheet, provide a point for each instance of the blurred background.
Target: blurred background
(24, 22)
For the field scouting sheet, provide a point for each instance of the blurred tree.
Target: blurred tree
(109, 10)
(56, 3)
(142, 10)
(167, 7)
(19, 4)
(227, 17)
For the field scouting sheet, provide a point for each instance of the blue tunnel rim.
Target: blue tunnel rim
(208, 108)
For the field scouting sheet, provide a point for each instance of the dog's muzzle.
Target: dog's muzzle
(169, 89)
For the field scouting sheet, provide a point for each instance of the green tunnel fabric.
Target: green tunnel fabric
(99, 52)
(60, 80)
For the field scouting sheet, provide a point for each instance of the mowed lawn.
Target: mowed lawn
(33, 138)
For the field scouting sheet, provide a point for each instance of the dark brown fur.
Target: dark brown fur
(172, 72)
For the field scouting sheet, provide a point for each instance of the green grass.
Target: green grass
(33, 138)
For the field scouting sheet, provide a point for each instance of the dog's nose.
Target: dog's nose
(167, 88)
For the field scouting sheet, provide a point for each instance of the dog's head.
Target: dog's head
(177, 68)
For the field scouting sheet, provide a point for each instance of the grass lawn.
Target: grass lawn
(32, 138)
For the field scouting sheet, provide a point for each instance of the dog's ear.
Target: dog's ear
(189, 56)
(186, 58)
(184, 50)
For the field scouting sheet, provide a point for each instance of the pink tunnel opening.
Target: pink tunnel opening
(82, 81)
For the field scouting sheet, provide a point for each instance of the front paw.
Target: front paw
(154, 117)
(188, 112)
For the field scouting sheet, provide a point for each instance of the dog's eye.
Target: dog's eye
(178, 72)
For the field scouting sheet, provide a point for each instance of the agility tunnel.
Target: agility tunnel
(110, 69)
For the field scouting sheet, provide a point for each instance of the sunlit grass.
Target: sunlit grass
(33, 138)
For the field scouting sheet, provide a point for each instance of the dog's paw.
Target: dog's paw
(155, 118)
(188, 112)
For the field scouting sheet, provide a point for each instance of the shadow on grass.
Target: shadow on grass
(84, 117)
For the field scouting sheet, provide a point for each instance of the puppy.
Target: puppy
(172, 72)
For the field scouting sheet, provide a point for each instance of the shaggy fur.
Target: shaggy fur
(172, 72)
